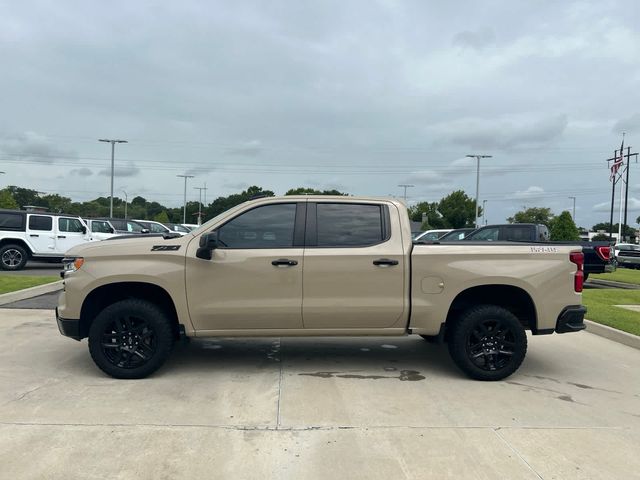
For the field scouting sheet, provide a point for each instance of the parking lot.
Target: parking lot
(315, 408)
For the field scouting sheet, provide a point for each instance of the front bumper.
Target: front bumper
(71, 328)
(571, 319)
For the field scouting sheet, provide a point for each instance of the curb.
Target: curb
(612, 284)
(30, 292)
(613, 334)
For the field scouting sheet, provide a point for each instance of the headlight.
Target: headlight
(72, 264)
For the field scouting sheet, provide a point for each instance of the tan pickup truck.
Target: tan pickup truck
(316, 265)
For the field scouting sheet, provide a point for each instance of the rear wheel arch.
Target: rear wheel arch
(514, 299)
(102, 297)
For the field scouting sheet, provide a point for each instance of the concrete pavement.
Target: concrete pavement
(315, 408)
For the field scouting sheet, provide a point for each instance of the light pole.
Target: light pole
(574, 209)
(126, 201)
(405, 186)
(478, 157)
(200, 202)
(184, 214)
(484, 211)
(113, 146)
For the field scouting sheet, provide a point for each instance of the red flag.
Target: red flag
(617, 163)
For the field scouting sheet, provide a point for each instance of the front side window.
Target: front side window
(41, 223)
(349, 225)
(518, 233)
(134, 227)
(70, 225)
(155, 228)
(270, 226)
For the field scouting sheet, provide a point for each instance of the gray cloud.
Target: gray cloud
(121, 171)
(629, 124)
(82, 172)
(32, 147)
(251, 148)
(502, 133)
(531, 193)
(477, 39)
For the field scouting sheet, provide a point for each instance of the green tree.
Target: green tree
(564, 228)
(222, 204)
(539, 215)
(7, 200)
(162, 217)
(627, 231)
(601, 237)
(24, 196)
(427, 213)
(458, 210)
(313, 191)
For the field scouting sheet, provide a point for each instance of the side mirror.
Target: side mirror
(84, 230)
(112, 230)
(208, 243)
(144, 230)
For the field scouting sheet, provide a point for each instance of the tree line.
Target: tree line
(455, 210)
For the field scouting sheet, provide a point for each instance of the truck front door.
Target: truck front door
(354, 270)
(254, 279)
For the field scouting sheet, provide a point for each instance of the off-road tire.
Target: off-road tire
(130, 339)
(13, 257)
(487, 342)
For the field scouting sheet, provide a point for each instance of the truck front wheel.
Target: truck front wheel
(488, 342)
(130, 339)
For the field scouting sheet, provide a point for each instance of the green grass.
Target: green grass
(624, 275)
(12, 283)
(600, 308)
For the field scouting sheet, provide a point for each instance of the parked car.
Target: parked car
(38, 236)
(242, 274)
(176, 227)
(598, 256)
(100, 229)
(153, 227)
(190, 226)
(431, 235)
(456, 235)
(627, 255)
(125, 226)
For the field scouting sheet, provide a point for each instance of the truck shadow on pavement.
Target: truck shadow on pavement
(364, 358)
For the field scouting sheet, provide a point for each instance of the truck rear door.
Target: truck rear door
(354, 269)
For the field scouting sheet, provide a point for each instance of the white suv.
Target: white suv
(38, 236)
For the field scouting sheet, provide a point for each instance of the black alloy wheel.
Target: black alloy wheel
(130, 339)
(488, 342)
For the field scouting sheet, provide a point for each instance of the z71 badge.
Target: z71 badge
(164, 248)
(544, 250)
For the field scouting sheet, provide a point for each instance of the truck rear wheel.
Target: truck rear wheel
(488, 343)
(13, 257)
(130, 339)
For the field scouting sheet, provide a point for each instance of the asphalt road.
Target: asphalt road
(353, 408)
(38, 268)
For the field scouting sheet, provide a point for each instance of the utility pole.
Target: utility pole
(574, 209)
(478, 157)
(405, 186)
(184, 213)
(484, 211)
(626, 191)
(113, 146)
(200, 202)
(126, 201)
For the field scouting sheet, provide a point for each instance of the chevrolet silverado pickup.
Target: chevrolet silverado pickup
(316, 265)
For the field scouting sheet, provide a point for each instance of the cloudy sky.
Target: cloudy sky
(360, 96)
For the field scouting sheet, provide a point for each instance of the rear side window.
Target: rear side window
(349, 225)
(71, 225)
(155, 228)
(270, 226)
(40, 222)
(11, 221)
(486, 234)
(518, 233)
(100, 227)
